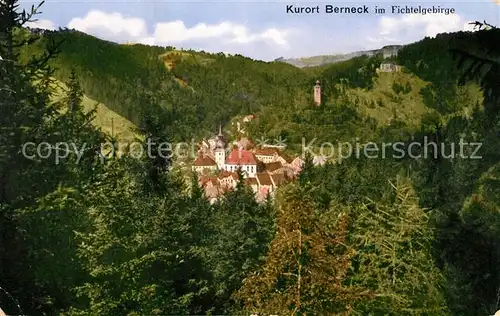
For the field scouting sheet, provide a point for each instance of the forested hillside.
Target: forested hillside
(204, 89)
(395, 235)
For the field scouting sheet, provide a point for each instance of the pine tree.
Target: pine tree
(306, 266)
(25, 88)
(75, 96)
(40, 196)
(48, 227)
(25, 91)
(395, 259)
(158, 147)
(307, 170)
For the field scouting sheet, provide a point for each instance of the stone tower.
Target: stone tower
(220, 150)
(317, 93)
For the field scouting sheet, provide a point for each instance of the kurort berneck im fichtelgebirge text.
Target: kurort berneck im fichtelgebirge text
(365, 9)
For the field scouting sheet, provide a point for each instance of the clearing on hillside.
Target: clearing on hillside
(109, 121)
(171, 58)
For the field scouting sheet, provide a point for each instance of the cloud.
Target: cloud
(413, 27)
(227, 36)
(41, 24)
(176, 32)
(111, 26)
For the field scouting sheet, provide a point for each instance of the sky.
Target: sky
(259, 29)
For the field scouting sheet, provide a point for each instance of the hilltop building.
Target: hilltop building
(389, 67)
(317, 93)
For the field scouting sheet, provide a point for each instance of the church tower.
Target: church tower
(220, 150)
(317, 93)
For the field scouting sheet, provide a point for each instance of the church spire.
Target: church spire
(220, 142)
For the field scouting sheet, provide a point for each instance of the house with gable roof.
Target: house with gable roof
(204, 163)
(267, 154)
(228, 179)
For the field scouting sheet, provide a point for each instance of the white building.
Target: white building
(238, 158)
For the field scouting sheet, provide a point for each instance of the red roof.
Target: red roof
(241, 157)
(204, 160)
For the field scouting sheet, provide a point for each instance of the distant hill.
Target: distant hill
(200, 90)
(386, 51)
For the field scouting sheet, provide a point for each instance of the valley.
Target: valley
(258, 212)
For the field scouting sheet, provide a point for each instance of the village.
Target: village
(264, 168)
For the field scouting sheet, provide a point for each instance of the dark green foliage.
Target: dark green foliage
(128, 236)
(394, 259)
(211, 89)
(401, 88)
(244, 230)
(479, 59)
(40, 197)
(111, 80)
(215, 91)
(75, 95)
(306, 173)
(144, 253)
(157, 147)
